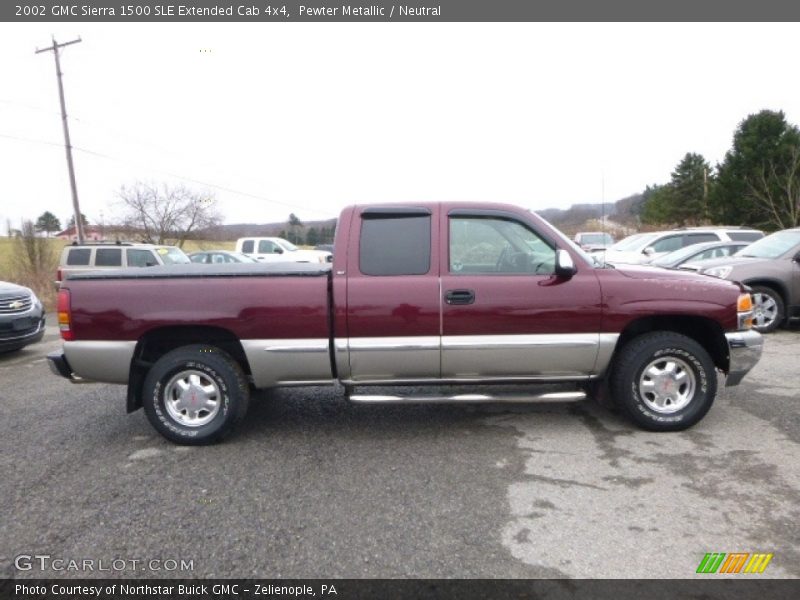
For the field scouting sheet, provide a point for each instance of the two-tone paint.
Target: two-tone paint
(323, 323)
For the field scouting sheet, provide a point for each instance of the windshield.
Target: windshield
(772, 246)
(633, 242)
(172, 256)
(286, 245)
(677, 255)
(589, 260)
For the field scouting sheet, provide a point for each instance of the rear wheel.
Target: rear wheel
(768, 309)
(195, 395)
(664, 381)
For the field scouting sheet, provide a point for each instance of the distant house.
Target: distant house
(90, 233)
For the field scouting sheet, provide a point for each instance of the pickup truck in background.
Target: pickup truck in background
(273, 249)
(418, 294)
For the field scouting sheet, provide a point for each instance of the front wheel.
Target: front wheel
(195, 395)
(768, 310)
(664, 381)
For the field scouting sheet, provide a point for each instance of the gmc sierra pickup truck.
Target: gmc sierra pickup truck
(449, 294)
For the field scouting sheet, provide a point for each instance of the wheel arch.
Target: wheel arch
(703, 330)
(774, 284)
(158, 341)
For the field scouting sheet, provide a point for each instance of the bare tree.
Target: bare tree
(165, 214)
(777, 191)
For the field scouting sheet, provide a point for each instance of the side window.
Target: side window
(267, 247)
(745, 236)
(108, 257)
(395, 244)
(699, 238)
(668, 244)
(495, 245)
(78, 256)
(247, 246)
(141, 258)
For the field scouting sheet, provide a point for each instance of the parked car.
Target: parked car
(77, 258)
(418, 294)
(273, 249)
(641, 248)
(217, 257)
(771, 267)
(22, 317)
(692, 257)
(593, 240)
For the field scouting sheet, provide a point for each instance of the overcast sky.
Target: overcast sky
(307, 118)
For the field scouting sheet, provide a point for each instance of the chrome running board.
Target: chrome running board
(574, 396)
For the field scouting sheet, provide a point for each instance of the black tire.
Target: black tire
(201, 368)
(684, 397)
(770, 304)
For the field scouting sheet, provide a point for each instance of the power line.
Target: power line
(67, 145)
(175, 175)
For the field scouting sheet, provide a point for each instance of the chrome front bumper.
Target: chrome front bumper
(744, 348)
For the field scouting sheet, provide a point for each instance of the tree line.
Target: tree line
(757, 183)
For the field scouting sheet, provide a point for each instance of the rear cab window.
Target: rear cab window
(395, 242)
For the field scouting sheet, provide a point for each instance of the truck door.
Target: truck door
(393, 308)
(505, 314)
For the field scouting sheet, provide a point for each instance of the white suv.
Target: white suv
(641, 248)
(115, 255)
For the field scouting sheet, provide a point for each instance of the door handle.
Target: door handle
(459, 296)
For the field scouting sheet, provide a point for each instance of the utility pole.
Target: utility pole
(67, 144)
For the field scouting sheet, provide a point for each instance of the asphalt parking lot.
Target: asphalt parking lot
(311, 486)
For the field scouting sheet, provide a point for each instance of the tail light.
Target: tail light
(59, 275)
(65, 316)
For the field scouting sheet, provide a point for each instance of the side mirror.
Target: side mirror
(649, 251)
(565, 267)
(277, 251)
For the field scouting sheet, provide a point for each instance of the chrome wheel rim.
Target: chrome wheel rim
(765, 310)
(667, 385)
(192, 398)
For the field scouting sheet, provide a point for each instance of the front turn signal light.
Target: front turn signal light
(744, 310)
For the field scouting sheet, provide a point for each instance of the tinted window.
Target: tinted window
(247, 246)
(699, 238)
(745, 236)
(78, 256)
(108, 257)
(668, 244)
(494, 245)
(141, 258)
(395, 245)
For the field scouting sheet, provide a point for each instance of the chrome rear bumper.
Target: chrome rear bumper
(744, 348)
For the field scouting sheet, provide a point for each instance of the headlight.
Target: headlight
(34, 300)
(721, 272)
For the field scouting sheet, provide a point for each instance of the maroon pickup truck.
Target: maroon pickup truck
(418, 294)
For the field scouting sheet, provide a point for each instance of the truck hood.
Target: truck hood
(645, 272)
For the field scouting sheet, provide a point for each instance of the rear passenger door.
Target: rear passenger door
(393, 307)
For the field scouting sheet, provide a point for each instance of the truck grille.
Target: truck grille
(11, 305)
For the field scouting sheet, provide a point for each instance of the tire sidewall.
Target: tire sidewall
(206, 362)
(697, 360)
